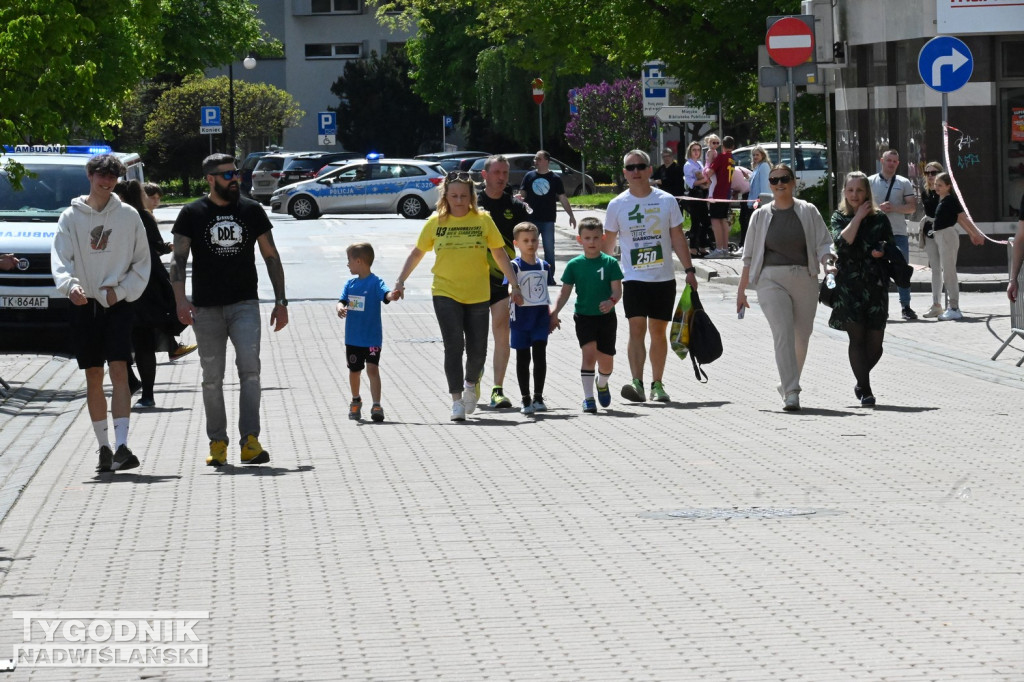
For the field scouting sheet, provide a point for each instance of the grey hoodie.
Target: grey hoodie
(96, 249)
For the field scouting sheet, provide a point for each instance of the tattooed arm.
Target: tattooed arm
(179, 260)
(278, 318)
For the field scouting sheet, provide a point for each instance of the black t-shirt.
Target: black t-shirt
(223, 249)
(671, 178)
(929, 202)
(506, 212)
(948, 211)
(542, 192)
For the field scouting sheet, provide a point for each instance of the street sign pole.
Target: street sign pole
(540, 123)
(444, 134)
(778, 121)
(792, 118)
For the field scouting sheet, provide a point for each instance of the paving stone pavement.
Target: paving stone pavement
(518, 548)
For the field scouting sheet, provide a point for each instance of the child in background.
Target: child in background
(359, 305)
(530, 322)
(598, 280)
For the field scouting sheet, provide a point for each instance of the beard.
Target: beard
(229, 192)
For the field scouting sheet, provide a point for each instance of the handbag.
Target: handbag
(741, 179)
(826, 295)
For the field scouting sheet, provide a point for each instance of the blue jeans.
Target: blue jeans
(902, 242)
(464, 327)
(547, 236)
(213, 326)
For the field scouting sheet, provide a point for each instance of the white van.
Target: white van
(811, 160)
(29, 303)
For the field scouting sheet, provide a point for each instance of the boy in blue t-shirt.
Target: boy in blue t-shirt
(529, 322)
(359, 305)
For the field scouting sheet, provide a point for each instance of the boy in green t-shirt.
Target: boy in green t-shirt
(598, 280)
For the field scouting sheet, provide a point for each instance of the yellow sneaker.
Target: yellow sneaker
(253, 452)
(218, 453)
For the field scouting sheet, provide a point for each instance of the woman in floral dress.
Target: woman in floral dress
(861, 306)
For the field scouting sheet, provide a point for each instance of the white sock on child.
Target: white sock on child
(587, 376)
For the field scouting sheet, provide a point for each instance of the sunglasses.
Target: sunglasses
(228, 175)
(458, 176)
(714, 144)
(784, 179)
(932, 172)
(636, 166)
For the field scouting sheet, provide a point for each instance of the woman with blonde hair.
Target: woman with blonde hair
(460, 235)
(929, 202)
(701, 237)
(861, 306)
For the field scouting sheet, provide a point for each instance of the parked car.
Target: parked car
(811, 163)
(453, 161)
(265, 175)
(247, 167)
(521, 164)
(305, 165)
(373, 185)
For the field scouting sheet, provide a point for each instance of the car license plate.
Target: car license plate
(24, 302)
(264, 183)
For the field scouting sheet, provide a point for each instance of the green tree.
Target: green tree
(378, 110)
(262, 112)
(609, 122)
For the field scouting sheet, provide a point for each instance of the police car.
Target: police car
(371, 185)
(29, 301)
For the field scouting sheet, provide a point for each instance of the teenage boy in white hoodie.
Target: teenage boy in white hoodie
(100, 260)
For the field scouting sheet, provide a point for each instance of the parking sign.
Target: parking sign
(209, 121)
(327, 127)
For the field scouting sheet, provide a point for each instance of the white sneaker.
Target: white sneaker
(718, 253)
(951, 314)
(458, 411)
(792, 403)
(539, 406)
(469, 398)
(526, 409)
(934, 311)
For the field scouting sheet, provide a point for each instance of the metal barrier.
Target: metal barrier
(1016, 308)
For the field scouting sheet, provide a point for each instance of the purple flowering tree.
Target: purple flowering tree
(610, 121)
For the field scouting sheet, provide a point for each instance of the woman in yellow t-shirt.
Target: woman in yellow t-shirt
(460, 236)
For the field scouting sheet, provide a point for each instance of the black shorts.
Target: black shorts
(361, 356)
(600, 328)
(720, 209)
(499, 291)
(101, 334)
(656, 300)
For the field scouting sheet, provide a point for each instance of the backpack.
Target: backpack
(705, 343)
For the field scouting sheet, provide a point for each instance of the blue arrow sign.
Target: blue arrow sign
(945, 64)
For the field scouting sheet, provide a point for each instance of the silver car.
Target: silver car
(404, 186)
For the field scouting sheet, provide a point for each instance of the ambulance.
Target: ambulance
(31, 308)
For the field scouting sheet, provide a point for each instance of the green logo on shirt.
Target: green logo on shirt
(636, 215)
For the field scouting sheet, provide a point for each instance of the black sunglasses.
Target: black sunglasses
(932, 172)
(636, 166)
(784, 179)
(458, 176)
(228, 175)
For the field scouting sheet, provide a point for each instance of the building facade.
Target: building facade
(319, 38)
(882, 102)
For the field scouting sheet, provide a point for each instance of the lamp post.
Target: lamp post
(249, 63)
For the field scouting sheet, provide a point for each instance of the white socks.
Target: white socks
(120, 432)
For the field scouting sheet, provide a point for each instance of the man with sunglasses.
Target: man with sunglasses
(221, 230)
(542, 190)
(649, 227)
(896, 198)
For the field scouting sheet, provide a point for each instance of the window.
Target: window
(1013, 67)
(334, 51)
(335, 6)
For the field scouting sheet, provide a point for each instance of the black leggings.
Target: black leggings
(865, 352)
(144, 342)
(540, 368)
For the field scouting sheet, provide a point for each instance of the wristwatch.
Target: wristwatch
(281, 302)
(690, 271)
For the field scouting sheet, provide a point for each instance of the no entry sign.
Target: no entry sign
(538, 90)
(790, 41)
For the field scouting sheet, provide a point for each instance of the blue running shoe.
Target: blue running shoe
(604, 395)
(589, 406)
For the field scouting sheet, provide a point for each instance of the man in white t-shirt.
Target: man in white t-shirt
(897, 199)
(649, 228)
